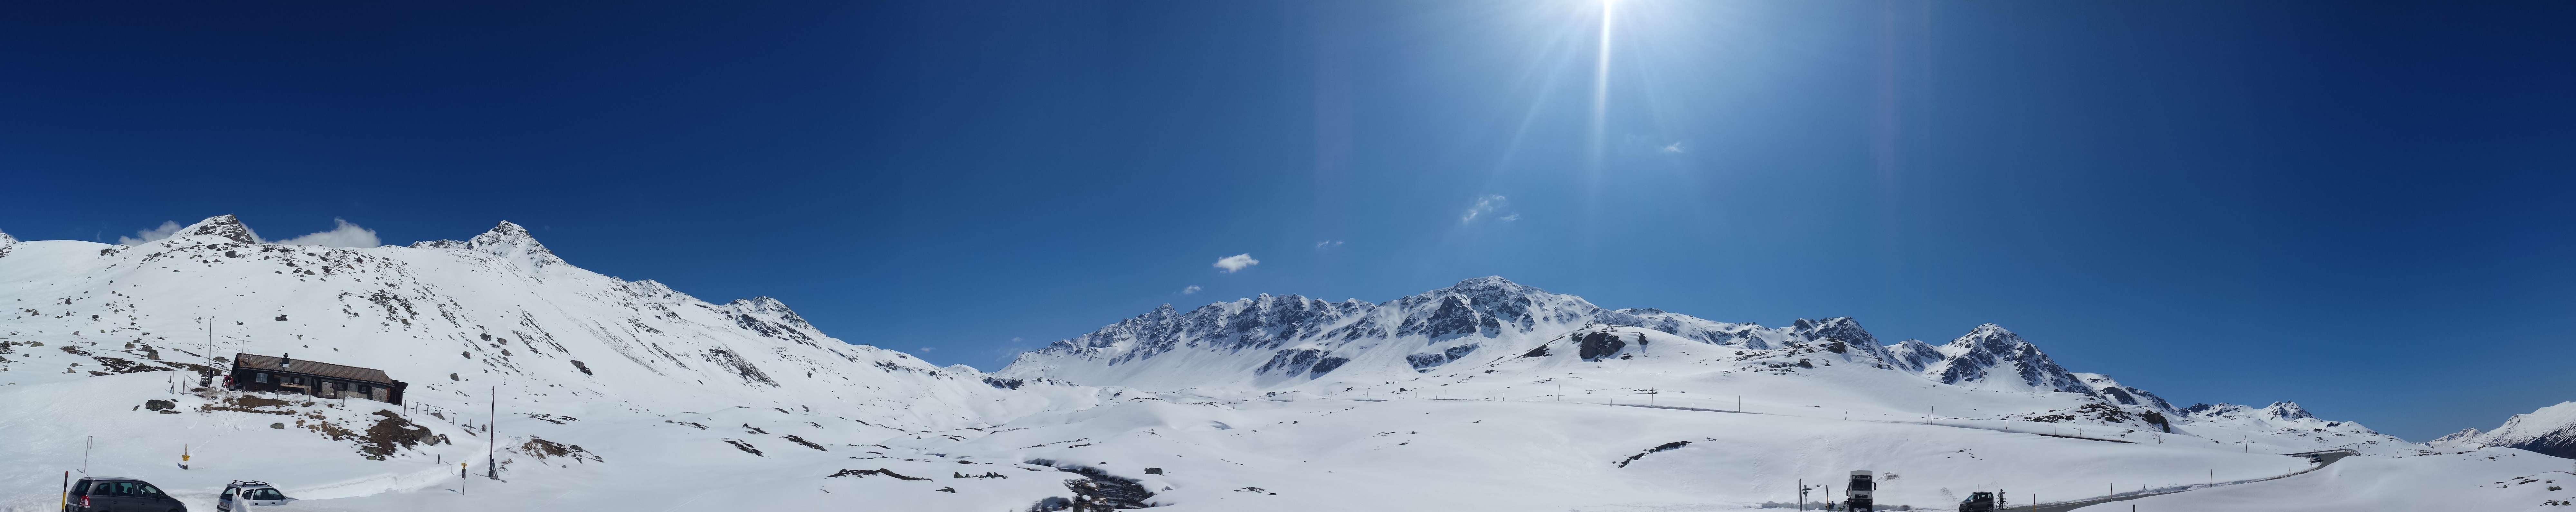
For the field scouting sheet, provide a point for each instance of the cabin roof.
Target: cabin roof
(311, 367)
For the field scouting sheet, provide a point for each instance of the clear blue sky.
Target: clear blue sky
(2363, 207)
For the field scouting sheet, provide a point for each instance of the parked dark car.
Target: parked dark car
(114, 494)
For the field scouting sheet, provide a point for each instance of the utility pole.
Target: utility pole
(492, 453)
(1802, 494)
(87, 443)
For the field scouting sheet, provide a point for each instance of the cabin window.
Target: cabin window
(364, 389)
(259, 377)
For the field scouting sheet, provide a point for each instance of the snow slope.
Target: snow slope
(644, 377)
(2498, 479)
(627, 395)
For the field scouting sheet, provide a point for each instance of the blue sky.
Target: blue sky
(2362, 207)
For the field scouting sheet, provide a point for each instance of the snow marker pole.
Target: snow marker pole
(492, 451)
(66, 502)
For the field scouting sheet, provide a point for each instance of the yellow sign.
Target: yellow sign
(183, 458)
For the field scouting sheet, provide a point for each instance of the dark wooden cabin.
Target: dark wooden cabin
(266, 374)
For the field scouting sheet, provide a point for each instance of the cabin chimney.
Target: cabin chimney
(285, 360)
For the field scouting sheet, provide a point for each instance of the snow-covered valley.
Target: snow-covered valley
(1486, 395)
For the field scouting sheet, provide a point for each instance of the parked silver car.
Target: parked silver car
(249, 493)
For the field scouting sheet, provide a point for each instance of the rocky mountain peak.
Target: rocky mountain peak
(6, 242)
(2286, 411)
(1991, 355)
(1488, 284)
(1841, 328)
(226, 226)
(507, 240)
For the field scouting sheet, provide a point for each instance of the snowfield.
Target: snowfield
(1488, 395)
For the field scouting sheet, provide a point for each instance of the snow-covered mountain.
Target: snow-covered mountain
(1492, 337)
(2550, 430)
(627, 371)
(1282, 342)
(618, 394)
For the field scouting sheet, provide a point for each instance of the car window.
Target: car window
(228, 493)
(120, 488)
(101, 489)
(266, 494)
(146, 490)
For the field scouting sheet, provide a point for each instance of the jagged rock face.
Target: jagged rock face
(2115, 392)
(1600, 344)
(1991, 355)
(225, 226)
(1913, 355)
(6, 243)
(2550, 430)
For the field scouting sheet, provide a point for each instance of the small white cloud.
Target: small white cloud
(929, 349)
(1190, 290)
(1675, 147)
(1484, 205)
(1328, 244)
(1234, 263)
(1512, 217)
(148, 235)
(345, 235)
(1015, 338)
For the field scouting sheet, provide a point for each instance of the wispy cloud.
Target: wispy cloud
(930, 349)
(1190, 290)
(1328, 244)
(1234, 263)
(1485, 206)
(1512, 217)
(1675, 147)
(148, 235)
(344, 235)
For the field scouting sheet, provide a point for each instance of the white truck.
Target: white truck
(1856, 495)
